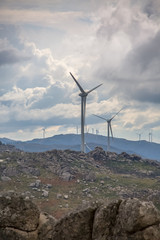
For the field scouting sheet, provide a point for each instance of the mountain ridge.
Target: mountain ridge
(143, 148)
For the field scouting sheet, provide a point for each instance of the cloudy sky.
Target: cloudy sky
(114, 42)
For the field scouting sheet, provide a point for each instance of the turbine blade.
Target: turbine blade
(111, 129)
(116, 113)
(81, 89)
(88, 147)
(99, 117)
(94, 88)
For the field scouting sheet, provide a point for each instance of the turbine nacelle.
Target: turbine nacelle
(84, 94)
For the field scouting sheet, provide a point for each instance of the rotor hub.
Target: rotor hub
(83, 94)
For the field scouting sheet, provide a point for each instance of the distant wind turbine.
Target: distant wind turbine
(77, 130)
(83, 94)
(44, 132)
(109, 128)
(150, 136)
(139, 136)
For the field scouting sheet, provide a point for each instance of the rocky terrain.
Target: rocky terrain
(8, 148)
(130, 219)
(59, 181)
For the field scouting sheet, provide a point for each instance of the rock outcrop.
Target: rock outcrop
(20, 219)
(68, 165)
(128, 219)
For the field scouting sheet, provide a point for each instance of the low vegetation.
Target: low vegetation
(59, 181)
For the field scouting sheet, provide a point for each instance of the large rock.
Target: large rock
(129, 219)
(98, 154)
(14, 234)
(20, 219)
(10, 171)
(66, 176)
(135, 215)
(120, 220)
(42, 232)
(105, 220)
(17, 212)
(45, 228)
(76, 225)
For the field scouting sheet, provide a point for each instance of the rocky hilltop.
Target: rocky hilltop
(130, 219)
(59, 181)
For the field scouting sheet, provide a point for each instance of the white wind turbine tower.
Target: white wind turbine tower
(83, 96)
(150, 136)
(109, 128)
(139, 136)
(44, 132)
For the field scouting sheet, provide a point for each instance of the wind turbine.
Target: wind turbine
(109, 128)
(44, 132)
(150, 136)
(139, 136)
(83, 94)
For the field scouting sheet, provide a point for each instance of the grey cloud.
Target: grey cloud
(128, 125)
(7, 80)
(32, 81)
(12, 50)
(141, 90)
(53, 96)
(11, 56)
(148, 95)
(58, 5)
(142, 68)
(151, 125)
(146, 56)
(10, 34)
(6, 103)
(138, 77)
(32, 124)
(150, 7)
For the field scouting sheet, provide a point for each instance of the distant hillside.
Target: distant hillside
(72, 141)
(8, 148)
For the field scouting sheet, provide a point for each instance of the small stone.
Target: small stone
(90, 196)
(37, 183)
(5, 179)
(32, 185)
(59, 195)
(65, 196)
(45, 193)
